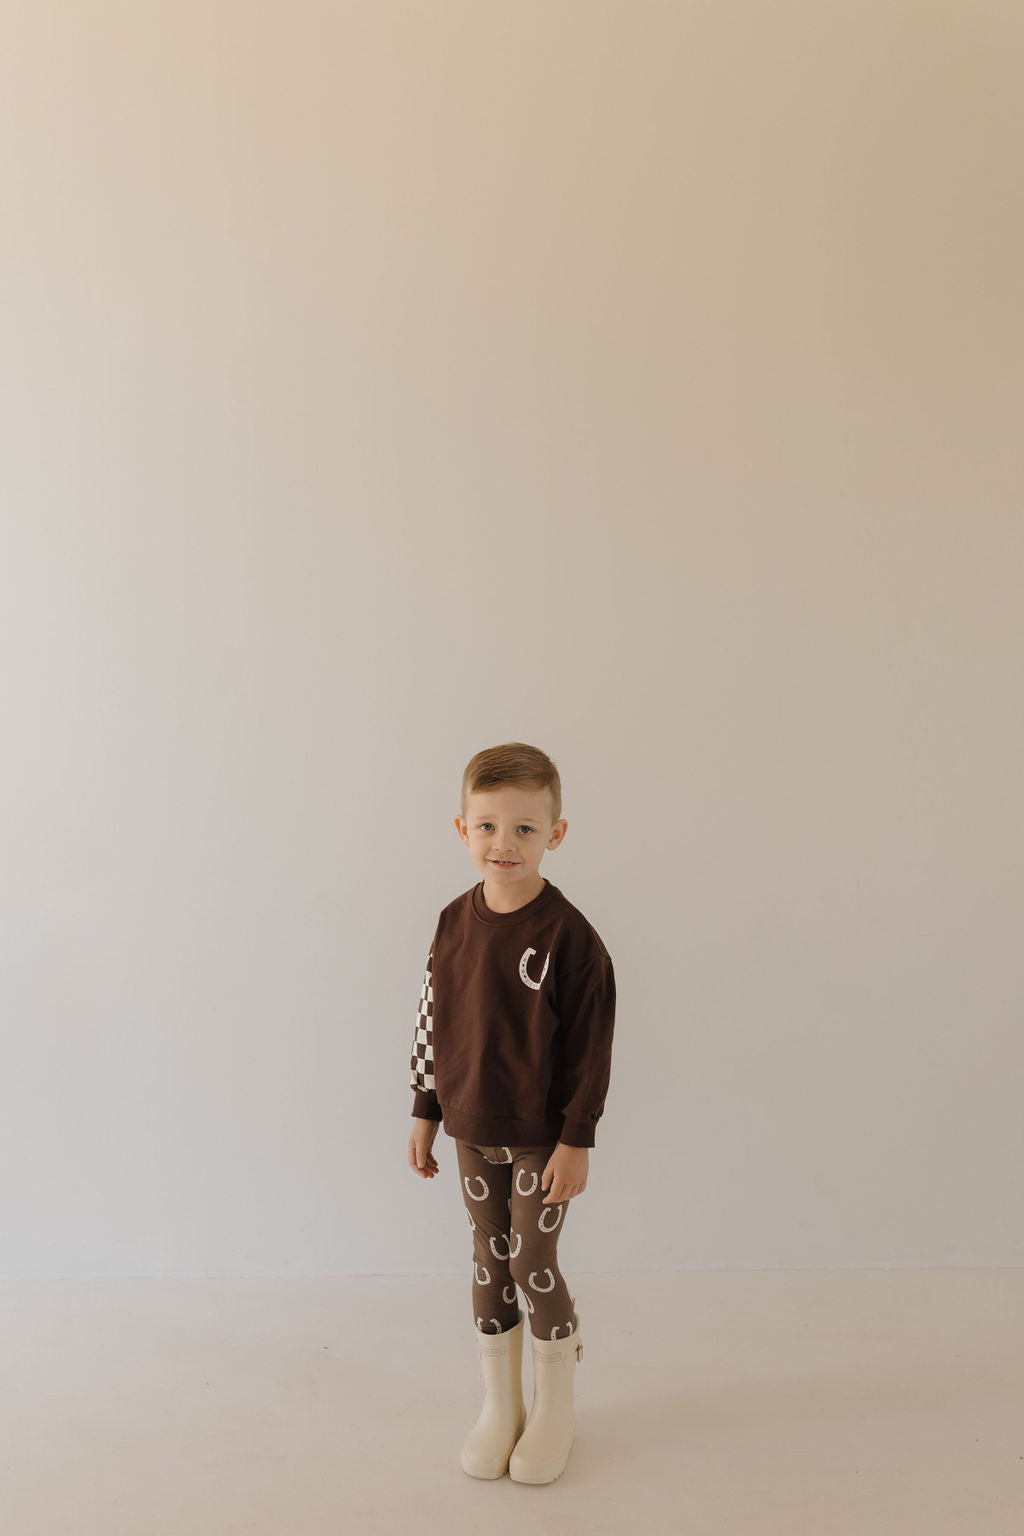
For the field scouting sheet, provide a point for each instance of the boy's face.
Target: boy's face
(513, 824)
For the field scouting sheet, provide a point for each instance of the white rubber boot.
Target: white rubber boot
(543, 1450)
(490, 1441)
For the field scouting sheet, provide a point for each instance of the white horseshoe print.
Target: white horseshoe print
(542, 1287)
(487, 1274)
(504, 1293)
(490, 1320)
(558, 1209)
(513, 1252)
(494, 1250)
(523, 972)
(529, 1303)
(568, 1330)
(519, 1188)
(472, 1223)
(470, 1193)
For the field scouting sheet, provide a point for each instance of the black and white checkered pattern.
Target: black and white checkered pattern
(422, 1061)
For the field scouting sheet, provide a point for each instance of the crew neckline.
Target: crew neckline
(484, 913)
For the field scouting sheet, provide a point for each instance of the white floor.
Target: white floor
(749, 1402)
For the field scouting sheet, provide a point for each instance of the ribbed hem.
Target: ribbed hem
(499, 1133)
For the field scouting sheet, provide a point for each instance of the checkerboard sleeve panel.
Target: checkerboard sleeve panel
(421, 1073)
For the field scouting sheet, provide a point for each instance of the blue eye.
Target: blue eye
(522, 826)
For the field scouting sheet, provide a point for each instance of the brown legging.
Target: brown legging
(515, 1236)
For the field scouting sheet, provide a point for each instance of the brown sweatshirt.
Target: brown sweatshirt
(513, 1041)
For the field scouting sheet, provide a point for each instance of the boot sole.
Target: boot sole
(489, 1470)
(522, 1478)
(489, 1476)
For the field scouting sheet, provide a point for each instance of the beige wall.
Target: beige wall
(384, 381)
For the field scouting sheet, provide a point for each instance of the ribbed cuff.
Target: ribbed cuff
(578, 1133)
(425, 1105)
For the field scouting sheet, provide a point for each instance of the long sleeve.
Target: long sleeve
(421, 1065)
(586, 1008)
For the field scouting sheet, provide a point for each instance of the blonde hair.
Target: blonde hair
(513, 763)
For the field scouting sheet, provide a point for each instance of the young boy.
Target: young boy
(512, 1051)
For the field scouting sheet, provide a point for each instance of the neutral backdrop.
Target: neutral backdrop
(384, 381)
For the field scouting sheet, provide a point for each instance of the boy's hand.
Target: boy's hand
(421, 1139)
(566, 1171)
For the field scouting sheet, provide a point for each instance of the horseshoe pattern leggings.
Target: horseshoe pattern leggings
(515, 1237)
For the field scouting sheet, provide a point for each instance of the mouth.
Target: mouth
(503, 863)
